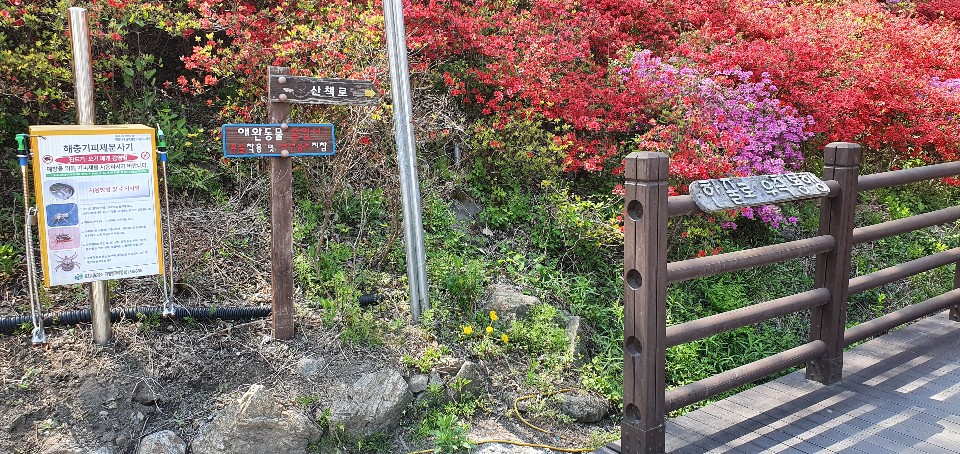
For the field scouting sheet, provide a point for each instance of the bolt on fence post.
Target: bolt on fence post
(645, 302)
(827, 322)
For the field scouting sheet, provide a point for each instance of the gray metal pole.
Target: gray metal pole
(406, 157)
(83, 89)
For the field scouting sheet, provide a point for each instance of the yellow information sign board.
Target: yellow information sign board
(98, 204)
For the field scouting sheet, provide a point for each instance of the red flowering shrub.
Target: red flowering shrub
(863, 73)
(543, 70)
(872, 78)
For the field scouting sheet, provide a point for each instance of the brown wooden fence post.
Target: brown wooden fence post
(645, 299)
(827, 322)
(955, 309)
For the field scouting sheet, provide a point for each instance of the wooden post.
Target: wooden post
(955, 309)
(645, 302)
(827, 322)
(281, 225)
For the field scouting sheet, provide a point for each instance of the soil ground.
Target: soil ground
(174, 374)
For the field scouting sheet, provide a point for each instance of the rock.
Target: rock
(467, 382)
(463, 207)
(143, 394)
(418, 383)
(374, 404)
(309, 367)
(575, 336)
(509, 303)
(435, 379)
(163, 442)
(254, 424)
(501, 448)
(449, 365)
(584, 407)
(106, 449)
(60, 444)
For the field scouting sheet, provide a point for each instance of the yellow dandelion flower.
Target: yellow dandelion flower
(493, 315)
(468, 330)
(505, 338)
(489, 329)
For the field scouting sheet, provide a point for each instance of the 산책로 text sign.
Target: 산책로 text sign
(263, 140)
(97, 202)
(727, 193)
(313, 90)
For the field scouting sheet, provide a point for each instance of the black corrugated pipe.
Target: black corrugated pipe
(12, 324)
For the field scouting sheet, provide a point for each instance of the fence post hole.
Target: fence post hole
(955, 309)
(645, 296)
(281, 224)
(827, 322)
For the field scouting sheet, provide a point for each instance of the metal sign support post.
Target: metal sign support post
(83, 83)
(281, 225)
(39, 336)
(406, 157)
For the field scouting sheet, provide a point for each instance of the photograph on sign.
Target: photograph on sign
(98, 204)
(265, 140)
(728, 193)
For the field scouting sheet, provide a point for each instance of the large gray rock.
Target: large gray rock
(584, 407)
(254, 424)
(509, 303)
(163, 442)
(467, 382)
(374, 404)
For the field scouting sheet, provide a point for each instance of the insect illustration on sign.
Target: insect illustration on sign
(67, 263)
(61, 191)
(63, 238)
(62, 217)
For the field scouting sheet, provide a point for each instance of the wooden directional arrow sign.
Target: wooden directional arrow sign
(312, 90)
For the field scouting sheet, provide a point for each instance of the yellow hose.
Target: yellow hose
(520, 443)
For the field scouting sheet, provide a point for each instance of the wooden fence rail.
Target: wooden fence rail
(647, 274)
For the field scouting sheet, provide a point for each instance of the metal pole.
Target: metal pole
(82, 66)
(83, 89)
(168, 309)
(29, 219)
(406, 157)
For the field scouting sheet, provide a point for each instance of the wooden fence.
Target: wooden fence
(647, 273)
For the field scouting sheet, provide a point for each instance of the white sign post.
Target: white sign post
(98, 204)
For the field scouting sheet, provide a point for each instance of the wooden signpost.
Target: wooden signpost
(280, 140)
(312, 90)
